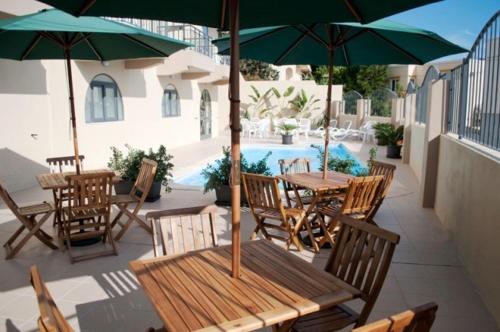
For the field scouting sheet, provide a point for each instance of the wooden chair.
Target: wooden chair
(361, 258)
(418, 319)
(27, 215)
(137, 195)
(264, 199)
(87, 215)
(178, 231)
(51, 319)
(387, 170)
(59, 165)
(292, 166)
(358, 201)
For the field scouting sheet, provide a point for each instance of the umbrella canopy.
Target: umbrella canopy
(41, 36)
(254, 13)
(344, 44)
(381, 42)
(52, 34)
(231, 15)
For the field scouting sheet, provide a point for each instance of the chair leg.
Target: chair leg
(132, 217)
(121, 207)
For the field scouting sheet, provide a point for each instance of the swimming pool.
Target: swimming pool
(254, 153)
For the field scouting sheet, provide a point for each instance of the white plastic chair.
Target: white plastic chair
(247, 128)
(276, 124)
(344, 132)
(304, 127)
(263, 128)
(367, 131)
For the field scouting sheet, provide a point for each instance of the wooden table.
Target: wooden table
(54, 181)
(320, 188)
(195, 291)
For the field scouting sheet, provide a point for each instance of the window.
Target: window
(170, 105)
(394, 84)
(103, 101)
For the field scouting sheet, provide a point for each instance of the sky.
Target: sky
(459, 21)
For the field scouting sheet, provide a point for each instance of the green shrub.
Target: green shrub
(218, 173)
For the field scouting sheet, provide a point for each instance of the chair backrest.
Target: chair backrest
(11, 204)
(51, 319)
(385, 169)
(90, 191)
(361, 194)
(418, 319)
(333, 123)
(59, 164)
(361, 257)
(347, 124)
(291, 121)
(262, 192)
(144, 180)
(178, 231)
(305, 122)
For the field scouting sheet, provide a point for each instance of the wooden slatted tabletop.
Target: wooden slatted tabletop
(195, 291)
(315, 182)
(58, 181)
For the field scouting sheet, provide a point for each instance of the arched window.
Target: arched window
(170, 105)
(103, 101)
(205, 115)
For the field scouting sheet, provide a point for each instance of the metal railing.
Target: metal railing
(474, 100)
(423, 94)
(201, 41)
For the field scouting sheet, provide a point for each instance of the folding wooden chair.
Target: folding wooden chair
(51, 319)
(387, 170)
(418, 319)
(137, 195)
(87, 215)
(264, 199)
(178, 231)
(292, 166)
(361, 258)
(358, 201)
(59, 165)
(27, 215)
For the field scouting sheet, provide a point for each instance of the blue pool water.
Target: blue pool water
(254, 153)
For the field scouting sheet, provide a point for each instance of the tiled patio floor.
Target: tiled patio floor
(103, 295)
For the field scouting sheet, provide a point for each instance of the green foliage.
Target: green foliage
(304, 105)
(373, 153)
(363, 79)
(218, 173)
(389, 134)
(128, 166)
(260, 105)
(253, 70)
(381, 102)
(287, 128)
(287, 93)
(338, 164)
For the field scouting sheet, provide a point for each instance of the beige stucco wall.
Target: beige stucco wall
(417, 142)
(468, 204)
(33, 99)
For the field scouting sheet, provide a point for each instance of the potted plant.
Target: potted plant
(287, 133)
(381, 132)
(394, 138)
(127, 167)
(217, 175)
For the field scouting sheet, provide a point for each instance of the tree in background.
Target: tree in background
(253, 70)
(364, 79)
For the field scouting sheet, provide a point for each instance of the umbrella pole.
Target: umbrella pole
(234, 97)
(331, 53)
(67, 52)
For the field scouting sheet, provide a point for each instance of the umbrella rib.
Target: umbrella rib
(83, 37)
(354, 10)
(94, 50)
(31, 46)
(291, 47)
(86, 5)
(396, 46)
(314, 35)
(341, 42)
(145, 45)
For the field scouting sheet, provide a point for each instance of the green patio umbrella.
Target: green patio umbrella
(53, 34)
(343, 44)
(225, 15)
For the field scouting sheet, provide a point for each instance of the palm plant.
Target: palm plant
(304, 105)
(260, 105)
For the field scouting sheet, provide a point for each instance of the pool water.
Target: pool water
(255, 153)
